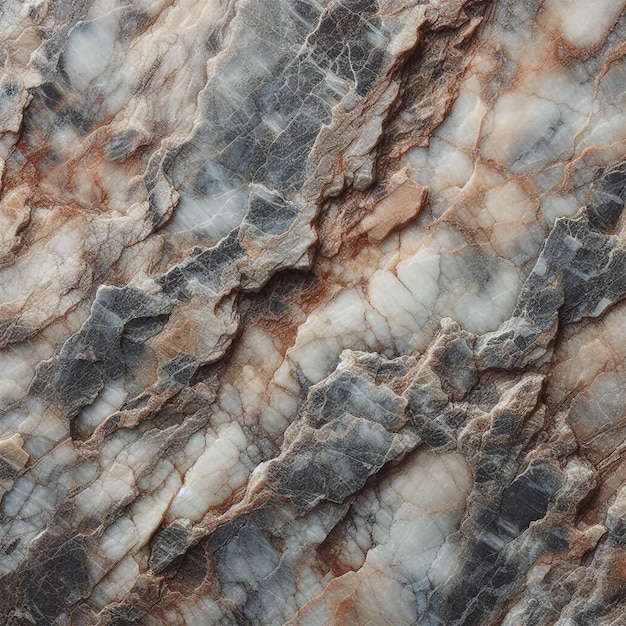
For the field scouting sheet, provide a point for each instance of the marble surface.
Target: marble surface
(312, 312)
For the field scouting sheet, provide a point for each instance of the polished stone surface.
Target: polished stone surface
(312, 312)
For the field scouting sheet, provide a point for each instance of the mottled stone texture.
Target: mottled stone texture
(312, 312)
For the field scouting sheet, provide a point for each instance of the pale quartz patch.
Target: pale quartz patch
(114, 485)
(327, 333)
(477, 311)
(46, 272)
(63, 455)
(218, 215)
(257, 360)
(148, 513)
(508, 203)
(281, 404)
(592, 362)
(402, 308)
(198, 614)
(118, 539)
(110, 399)
(561, 86)
(125, 537)
(430, 495)
(52, 428)
(91, 48)
(462, 127)
(120, 578)
(420, 275)
(519, 122)
(553, 206)
(213, 478)
(580, 26)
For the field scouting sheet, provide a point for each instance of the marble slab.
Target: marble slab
(312, 312)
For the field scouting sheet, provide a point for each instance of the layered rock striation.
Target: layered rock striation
(312, 312)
